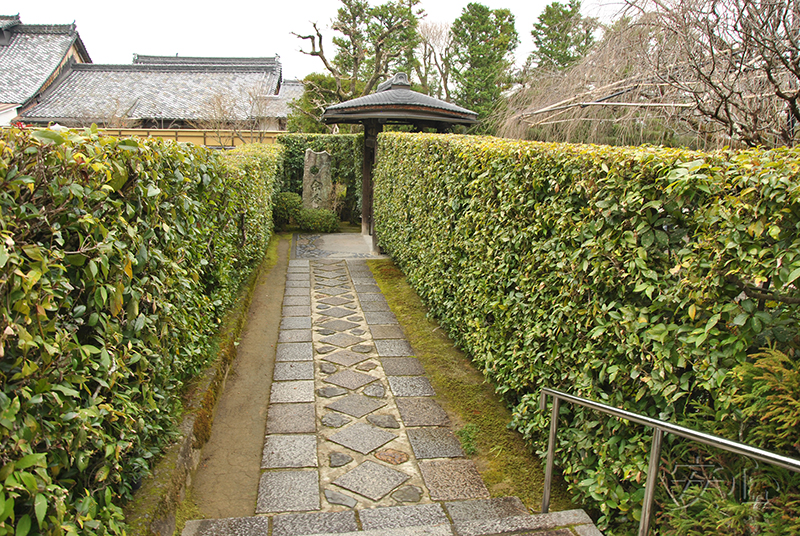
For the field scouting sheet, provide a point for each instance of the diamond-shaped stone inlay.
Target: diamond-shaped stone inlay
(339, 325)
(333, 274)
(345, 358)
(334, 300)
(328, 283)
(371, 480)
(350, 379)
(342, 340)
(333, 291)
(356, 405)
(362, 437)
(336, 312)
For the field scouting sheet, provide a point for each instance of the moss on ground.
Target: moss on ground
(504, 460)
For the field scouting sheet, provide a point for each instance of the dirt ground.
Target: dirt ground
(226, 482)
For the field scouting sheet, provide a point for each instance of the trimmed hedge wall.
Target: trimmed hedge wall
(644, 278)
(118, 257)
(347, 152)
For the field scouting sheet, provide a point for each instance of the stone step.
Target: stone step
(484, 517)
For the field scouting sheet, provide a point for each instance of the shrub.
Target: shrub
(117, 257)
(638, 277)
(287, 207)
(317, 220)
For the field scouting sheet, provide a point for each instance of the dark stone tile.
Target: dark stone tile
(380, 318)
(336, 312)
(327, 368)
(375, 390)
(383, 420)
(334, 497)
(452, 480)
(433, 442)
(375, 307)
(350, 379)
(339, 325)
(291, 419)
(421, 412)
(346, 358)
(330, 392)
(335, 420)
(362, 348)
(402, 366)
(338, 459)
(408, 494)
(371, 480)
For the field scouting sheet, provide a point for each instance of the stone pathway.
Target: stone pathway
(355, 441)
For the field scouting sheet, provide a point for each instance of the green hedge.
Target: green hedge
(347, 157)
(118, 257)
(639, 277)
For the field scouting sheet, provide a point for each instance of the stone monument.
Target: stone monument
(317, 180)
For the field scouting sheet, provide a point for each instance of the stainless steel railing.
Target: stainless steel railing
(659, 427)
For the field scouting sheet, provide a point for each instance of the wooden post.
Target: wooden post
(371, 130)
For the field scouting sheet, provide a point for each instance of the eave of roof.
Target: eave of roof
(142, 59)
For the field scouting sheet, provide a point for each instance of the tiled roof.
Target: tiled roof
(394, 101)
(278, 105)
(98, 93)
(32, 55)
(8, 21)
(141, 59)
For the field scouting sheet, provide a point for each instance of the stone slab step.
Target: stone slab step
(485, 517)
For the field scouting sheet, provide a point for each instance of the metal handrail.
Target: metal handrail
(655, 449)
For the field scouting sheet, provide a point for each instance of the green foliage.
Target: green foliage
(483, 44)
(639, 277)
(287, 207)
(467, 436)
(118, 256)
(347, 160)
(561, 36)
(319, 92)
(317, 220)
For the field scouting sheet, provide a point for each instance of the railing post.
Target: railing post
(551, 448)
(652, 478)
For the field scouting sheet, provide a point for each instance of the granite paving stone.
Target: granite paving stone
(362, 348)
(367, 288)
(401, 366)
(334, 497)
(380, 318)
(239, 526)
(539, 525)
(288, 491)
(362, 437)
(314, 523)
(294, 391)
(346, 358)
(335, 420)
(371, 480)
(289, 451)
(299, 262)
(452, 480)
(410, 386)
(355, 318)
(361, 279)
(328, 283)
(339, 325)
(294, 351)
(296, 300)
(293, 370)
(333, 291)
(297, 310)
(299, 284)
(342, 340)
(350, 379)
(355, 405)
(322, 307)
(371, 297)
(375, 307)
(434, 442)
(366, 367)
(325, 349)
(294, 335)
(296, 276)
(393, 517)
(387, 332)
(331, 392)
(393, 348)
(358, 332)
(335, 300)
(327, 368)
(296, 322)
(297, 291)
(298, 270)
(336, 312)
(392, 456)
(325, 332)
(291, 419)
(421, 412)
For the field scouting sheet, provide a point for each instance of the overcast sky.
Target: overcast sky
(113, 31)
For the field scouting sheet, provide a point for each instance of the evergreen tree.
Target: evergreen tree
(561, 36)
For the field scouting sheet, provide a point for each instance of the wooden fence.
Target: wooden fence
(209, 138)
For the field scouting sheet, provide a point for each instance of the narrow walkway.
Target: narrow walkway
(355, 441)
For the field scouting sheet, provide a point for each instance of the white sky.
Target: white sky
(114, 30)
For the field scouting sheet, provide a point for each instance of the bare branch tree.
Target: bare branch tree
(437, 49)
